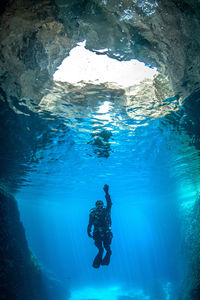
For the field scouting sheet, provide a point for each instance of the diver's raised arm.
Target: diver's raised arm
(107, 196)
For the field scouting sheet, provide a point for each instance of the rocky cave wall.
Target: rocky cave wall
(37, 35)
(190, 216)
(21, 276)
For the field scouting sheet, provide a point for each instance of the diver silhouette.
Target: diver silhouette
(100, 219)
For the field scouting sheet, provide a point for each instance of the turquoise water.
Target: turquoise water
(151, 166)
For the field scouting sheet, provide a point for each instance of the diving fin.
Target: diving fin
(97, 261)
(106, 260)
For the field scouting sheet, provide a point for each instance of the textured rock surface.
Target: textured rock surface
(36, 36)
(33, 43)
(190, 215)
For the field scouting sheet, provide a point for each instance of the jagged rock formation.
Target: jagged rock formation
(37, 35)
(31, 38)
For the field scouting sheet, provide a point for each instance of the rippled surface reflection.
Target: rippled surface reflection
(102, 126)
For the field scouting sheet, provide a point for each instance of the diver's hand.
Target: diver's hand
(106, 187)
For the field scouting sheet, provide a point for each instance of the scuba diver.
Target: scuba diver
(100, 219)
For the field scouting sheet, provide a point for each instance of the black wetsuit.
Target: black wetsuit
(100, 218)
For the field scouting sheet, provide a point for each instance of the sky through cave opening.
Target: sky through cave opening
(83, 65)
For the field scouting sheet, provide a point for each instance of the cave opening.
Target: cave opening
(85, 66)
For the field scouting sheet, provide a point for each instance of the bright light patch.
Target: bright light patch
(103, 112)
(99, 294)
(104, 108)
(111, 293)
(89, 67)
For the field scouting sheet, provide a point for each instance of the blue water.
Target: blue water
(151, 168)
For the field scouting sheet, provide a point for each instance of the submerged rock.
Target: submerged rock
(21, 277)
(190, 216)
